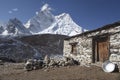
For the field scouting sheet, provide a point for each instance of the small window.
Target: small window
(73, 48)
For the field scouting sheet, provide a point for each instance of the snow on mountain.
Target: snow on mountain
(15, 27)
(45, 22)
(46, 7)
(41, 21)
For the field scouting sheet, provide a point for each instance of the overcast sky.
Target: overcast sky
(89, 14)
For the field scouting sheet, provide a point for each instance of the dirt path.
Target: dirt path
(62, 73)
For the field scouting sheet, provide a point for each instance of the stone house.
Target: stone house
(95, 45)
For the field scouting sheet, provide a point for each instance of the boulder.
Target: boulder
(61, 63)
(53, 63)
(33, 64)
(71, 62)
(46, 60)
(29, 65)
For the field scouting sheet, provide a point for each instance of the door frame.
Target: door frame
(95, 41)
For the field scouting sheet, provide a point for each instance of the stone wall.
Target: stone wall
(84, 44)
(115, 43)
(84, 50)
(115, 48)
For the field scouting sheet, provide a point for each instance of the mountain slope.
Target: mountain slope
(50, 44)
(45, 22)
(41, 20)
(15, 27)
(34, 46)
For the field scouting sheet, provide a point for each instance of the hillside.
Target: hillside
(35, 46)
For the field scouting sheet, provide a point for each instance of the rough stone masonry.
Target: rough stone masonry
(84, 44)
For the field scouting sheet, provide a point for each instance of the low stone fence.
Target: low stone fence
(33, 64)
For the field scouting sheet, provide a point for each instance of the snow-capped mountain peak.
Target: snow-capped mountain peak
(63, 15)
(45, 8)
(42, 20)
(15, 27)
(45, 22)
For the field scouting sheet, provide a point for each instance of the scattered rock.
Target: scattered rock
(29, 65)
(33, 64)
(46, 60)
(61, 63)
(52, 63)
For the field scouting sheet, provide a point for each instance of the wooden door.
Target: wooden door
(103, 50)
(100, 49)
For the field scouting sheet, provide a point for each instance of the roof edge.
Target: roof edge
(108, 26)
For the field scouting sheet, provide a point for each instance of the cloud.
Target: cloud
(10, 12)
(15, 9)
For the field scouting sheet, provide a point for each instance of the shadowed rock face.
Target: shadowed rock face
(36, 46)
(1, 29)
(50, 44)
(14, 51)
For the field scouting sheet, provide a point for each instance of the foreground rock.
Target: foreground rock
(33, 64)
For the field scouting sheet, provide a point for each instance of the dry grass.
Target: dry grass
(12, 72)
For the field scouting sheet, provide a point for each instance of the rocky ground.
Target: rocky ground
(16, 71)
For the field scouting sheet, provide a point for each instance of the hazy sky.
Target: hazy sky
(89, 14)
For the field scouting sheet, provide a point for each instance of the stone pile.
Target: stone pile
(33, 64)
